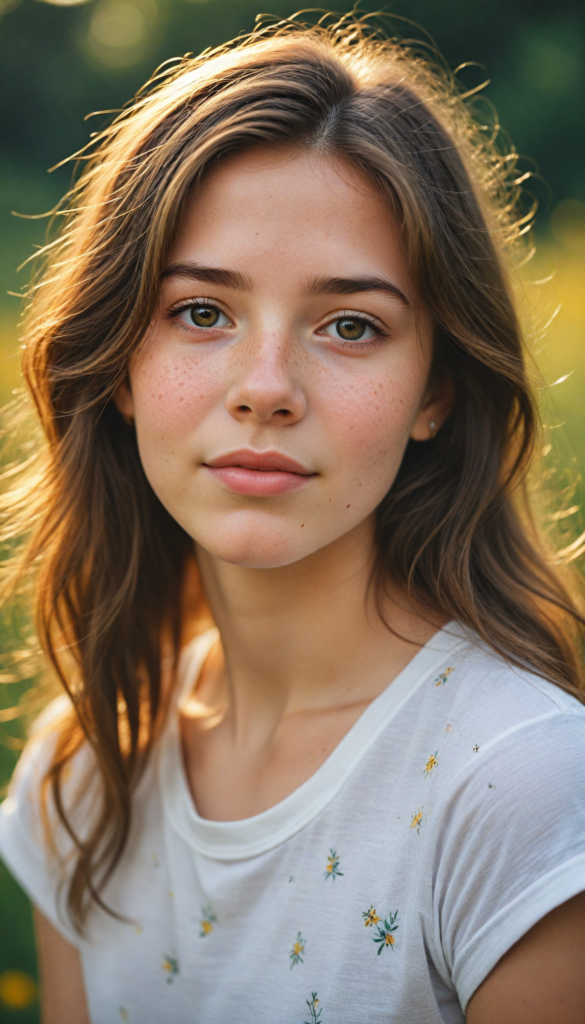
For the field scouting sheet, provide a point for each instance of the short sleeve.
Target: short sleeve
(23, 846)
(507, 845)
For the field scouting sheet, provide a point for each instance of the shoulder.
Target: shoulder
(514, 741)
(496, 706)
(506, 825)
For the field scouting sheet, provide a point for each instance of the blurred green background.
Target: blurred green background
(60, 61)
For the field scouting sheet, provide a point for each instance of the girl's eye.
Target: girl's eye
(203, 315)
(351, 328)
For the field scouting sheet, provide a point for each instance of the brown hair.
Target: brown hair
(455, 528)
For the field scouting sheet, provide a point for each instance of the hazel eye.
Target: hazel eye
(204, 315)
(350, 328)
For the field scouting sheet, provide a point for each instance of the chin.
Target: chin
(253, 542)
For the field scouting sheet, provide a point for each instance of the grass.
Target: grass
(559, 353)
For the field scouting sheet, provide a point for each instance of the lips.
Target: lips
(259, 474)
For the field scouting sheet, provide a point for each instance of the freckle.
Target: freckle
(348, 506)
(302, 524)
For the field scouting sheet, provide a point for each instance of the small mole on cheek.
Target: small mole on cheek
(302, 524)
(348, 506)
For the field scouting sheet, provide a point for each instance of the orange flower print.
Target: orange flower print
(171, 965)
(315, 1014)
(417, 820)
(332, 869)
(442, 679)
(385, 938)
(296, 953)
(431, 763)
(370, 917)
(208, 919)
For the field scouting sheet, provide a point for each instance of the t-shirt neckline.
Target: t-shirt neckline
(249, 837)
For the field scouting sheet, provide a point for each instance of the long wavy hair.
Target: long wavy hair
(114, 574)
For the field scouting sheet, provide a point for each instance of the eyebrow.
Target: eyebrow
(351, 285)
(315, 286)
(213, 275)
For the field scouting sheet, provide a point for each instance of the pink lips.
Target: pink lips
(258, 473)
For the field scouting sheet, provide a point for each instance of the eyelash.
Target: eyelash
(381, 333)
(174, 312)
(346, 314)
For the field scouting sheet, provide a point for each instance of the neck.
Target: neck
(307, 636)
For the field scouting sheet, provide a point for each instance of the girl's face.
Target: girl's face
(284, 372)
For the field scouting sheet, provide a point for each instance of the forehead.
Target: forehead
(310, 213)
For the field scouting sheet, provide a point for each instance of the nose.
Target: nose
(266, 391)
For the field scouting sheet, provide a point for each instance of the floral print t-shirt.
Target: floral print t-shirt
(447, 822)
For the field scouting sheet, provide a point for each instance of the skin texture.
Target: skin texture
(302, 651)
(61, 976)
(274, 376)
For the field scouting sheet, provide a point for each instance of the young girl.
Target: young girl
(320, 752)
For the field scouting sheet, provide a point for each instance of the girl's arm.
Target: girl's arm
(62, 989)
(541, 980)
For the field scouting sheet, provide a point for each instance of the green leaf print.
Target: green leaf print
(296, 953)
(208, 919)
(313, 1003)
(385, 936)
(332, 870)
(442, 679)
(171, 966)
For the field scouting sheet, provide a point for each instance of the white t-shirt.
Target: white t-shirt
(446, 823)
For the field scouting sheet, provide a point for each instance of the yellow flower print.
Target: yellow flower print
(332, 869)
(442, 679)
(123, 1012)
(296, 953)
(385, 938)
(370, 917)
(431, 763)
(417, 820)
(171, 965)
(315, 1014)
(208, 919)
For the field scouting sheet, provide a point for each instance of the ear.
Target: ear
(434, 410)
(124, 401)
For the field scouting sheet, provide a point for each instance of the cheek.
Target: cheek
(172, 393)
(371, 418)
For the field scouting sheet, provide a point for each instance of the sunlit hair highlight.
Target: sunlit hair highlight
(115, 580)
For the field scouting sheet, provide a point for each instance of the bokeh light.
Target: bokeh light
(119, 30)
(18, 990)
